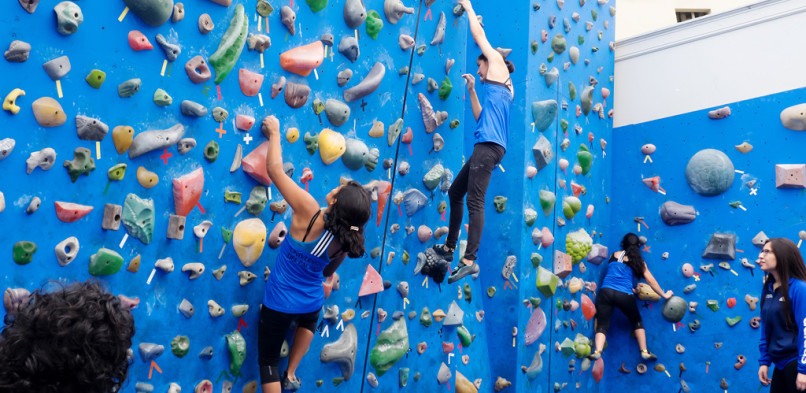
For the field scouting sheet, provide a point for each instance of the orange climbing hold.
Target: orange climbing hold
(653, 183)
(187, 191)
(384, 189)
(577, 189)
(598, 370)
(588, 309)
(731, 302)
(70, 212)
(373, 283)
(303, 59)
(254, 164)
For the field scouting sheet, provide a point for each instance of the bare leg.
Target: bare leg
(640, 336)
(600, 342)
(302, 340)
(273, 387)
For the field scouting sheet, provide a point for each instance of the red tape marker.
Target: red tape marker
(198, 204)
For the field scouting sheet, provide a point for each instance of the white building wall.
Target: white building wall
(637, 17)
(740, 54)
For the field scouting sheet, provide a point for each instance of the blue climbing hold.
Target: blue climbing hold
(543, 113)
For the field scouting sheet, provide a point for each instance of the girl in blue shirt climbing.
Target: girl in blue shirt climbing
(317, 242)
(492, 131)
(783, 316)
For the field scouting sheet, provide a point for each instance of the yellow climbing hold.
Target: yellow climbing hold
(292, 134)
(248, 239)
(48, 112)
(122, 136)
(463, 385)
(10, 103)
(147, 178)
(331, 145)
(377, 129)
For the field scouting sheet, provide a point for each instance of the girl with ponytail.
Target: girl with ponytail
(623, 271)
(318, 240)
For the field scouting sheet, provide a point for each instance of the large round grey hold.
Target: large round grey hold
(354, 13)
(674, 309)
(710, 172)
(68, 17)
(153, 12)
(348, 46)
(337, 112)
(18, 51)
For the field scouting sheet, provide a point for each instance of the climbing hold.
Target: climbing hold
(673, 213)
(558, 44)
(721, 246)
(71, 212)
(150, 351)
(368, 85)
(395, 10)
(303, 59)
(249, 238)
(354, 13)
(180, 346)
(720, 113)
(710, 172)
(23, 252)
(146, 178)
(500, 384)
(138, 217)
(374, 24)
(68, 17)
(332, 145)
(537, 321)
(90, 129)
(232, 43)
(277, 235)
(194, 269)
(67, 250)
(48, 112)
(794, 117)
(543, 152)
(237, 350)
(337, 112)
(214, 309)
(10, 102)
(674, 309)
(258, 198)
(343, 351)
(105, 262)
(790, 175)
(152, 140)
(18, 51)
(392, 344)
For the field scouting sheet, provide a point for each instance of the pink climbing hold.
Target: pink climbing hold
(563, 264)
(588, 308)
(373, 283)
(384, 189)
(187, 191)
(244, 122)
(138, 41)
(303, 59)
(576, 189)
(605, 93)
(447, 347)
(544, 36)
(254, 164)
(648, 148)
(71, 212)
(535, 326)
(128, 303)
(250, 82)
(547, 239)
(720, 113)
(688, 270)
(204, 386)
(598, 370)
(407, 136)
(589, 212)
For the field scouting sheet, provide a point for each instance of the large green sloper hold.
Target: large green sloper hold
(229, 50)
(105, 262)
(316, 5)
(392, 345)
(547, 200)
(237, 350)
(585, 159)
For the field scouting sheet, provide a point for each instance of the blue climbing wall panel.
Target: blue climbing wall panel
(711, 351)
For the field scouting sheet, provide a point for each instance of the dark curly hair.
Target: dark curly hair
(351, 210)
(71, 339)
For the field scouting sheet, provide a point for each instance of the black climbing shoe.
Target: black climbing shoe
(440, 250)
(462, 270)
(286, 384)
(646, 355)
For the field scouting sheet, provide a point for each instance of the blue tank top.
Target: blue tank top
(493, 124)
(619, 276)
(295, 284)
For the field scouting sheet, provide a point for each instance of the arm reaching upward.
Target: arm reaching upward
(497, 66)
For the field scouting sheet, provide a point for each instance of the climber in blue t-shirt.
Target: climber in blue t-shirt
(318, 240)
(491, 134)
(783, 317)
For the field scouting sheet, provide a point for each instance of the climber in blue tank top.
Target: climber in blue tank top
(317, 242)
(491, 134)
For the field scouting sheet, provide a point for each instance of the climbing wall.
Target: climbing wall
(705, 343)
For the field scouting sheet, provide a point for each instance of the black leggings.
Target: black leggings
(783, 380)
(604, 308)
(272, 330)
(472, 180)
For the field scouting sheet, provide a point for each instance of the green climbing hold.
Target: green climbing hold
(264, 8)
(464, 336)
(442, 207)
(162, 98)
(735, 204)
(490, 292)
(585, 159)
(454, 124)
(403, 70)
(529, 216)
(237, 350)
(337, 381)
(257, 200)
(311, 142)
(571, 206)
(319, 383)
(232, 43)
(594, 15)
(220, 114)
(24, 252)
(82, 163)
(534, 46)
(733, 321)
(421, 49)
(572, 91)
(564, 125)
(105, 262)
(425, 317)
(500, 203)
(445, 88)
(180, 345)
(713, 305)
(578, 244)
(374, 26)
(468, 292)
(211, 151)
(547, 200)
(318, 106)
(433, 177)
(138, 217)
(316, 5)
(581, 40)
(232, 197)
(226, 234)
(558, 44)
(116, 172)
(96, 78)
(405, 257)
(391, 346)
(536, 259)
(567, 347)
(550, 57)
(535, 301)
(582, 346)
(546, 281)
(403, 377)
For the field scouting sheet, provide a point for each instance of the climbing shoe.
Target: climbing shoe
(595, 355)
(286, 384)
(462, 270)
(440, 250)
(646, 355)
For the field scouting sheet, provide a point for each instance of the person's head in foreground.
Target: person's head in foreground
(70, 338)
(348, 210)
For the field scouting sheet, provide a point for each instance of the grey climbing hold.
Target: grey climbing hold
(236, 161)
(403, 288)
(206, 353)
(551, 76)
(673, 213)
(674, 309)
(142, 387)
(760, 239)
(66, 250)
(721, 246)
(413, 201)
(509, 267)
(165, 264)
(356, 153)
(6, 147)
(432, 85)
(439, 142)
(447, 180)
(129, 88)
(218, 273)
(342, 351)
(405, 41)
(439, 34)
(296, 94)
(277, 87)
(543, 152)
(710, 172)
(372, 380)
(29, 5)
(150, 351)
(186, 144)
(597, 254)
(34, 205)
(689, 288)
(430, 120)
(154, 13)
(186, 308)
(455, 315)
(175, 388)
(337, 112)
(246, 277)
(331, 314)
(200, 230)
(172, 51)
(214, 309)
(68, 17)
(148, 141)
(194, 269)
(395, 10)
(90, 129)
(343, 77)
(327, 39)
(193, 109)
(258, 42)
(57, 68)
(354, 13)
(586, 99)
(417, 78)
(794, 117)
(42, 159)
(543, 114)
(403, 168)
(348, 46)
(13, 298)
(239, 310)
(368, 85)
(288, 17)
(18, 51)
(537, 364)
(444, 373)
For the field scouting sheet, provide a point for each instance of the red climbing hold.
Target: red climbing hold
(653, 183)
(407, 136)
(384, 189)
(244, 122)
(187, 191)
(373, 283)
(731, 302)
(588, 309)
(70, 212)
(254, 164)
(576, 189)
(138, 41)
(598, 370)
(250, 82)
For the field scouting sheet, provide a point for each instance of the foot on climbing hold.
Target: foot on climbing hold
(291, 386)
(442, 253)
(646, 355)
(461, 271)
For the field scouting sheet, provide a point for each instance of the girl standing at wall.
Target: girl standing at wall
(783, 316)
(492, 131)
(318, 241)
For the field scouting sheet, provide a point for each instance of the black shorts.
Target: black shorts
(272, 330)
(609, 298)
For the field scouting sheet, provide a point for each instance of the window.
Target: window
(684, 15)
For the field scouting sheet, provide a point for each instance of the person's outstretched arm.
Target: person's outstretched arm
(474, 99)
(303, 203)
(650, 279)
(497, 70)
